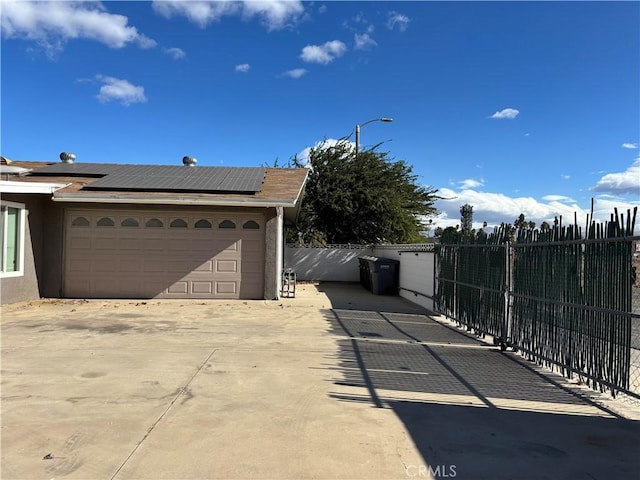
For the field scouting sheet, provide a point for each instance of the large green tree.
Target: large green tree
(362, 199)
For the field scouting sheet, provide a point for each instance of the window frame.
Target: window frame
(20, 240)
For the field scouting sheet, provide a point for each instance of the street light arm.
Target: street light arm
(381, 119)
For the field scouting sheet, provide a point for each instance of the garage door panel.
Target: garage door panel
(79, 286)
(206, 267)
(226, 266)
(129, 265)
(178, 245)
(80, 265)
(226, 288)
(156, 244)
(80, 243)
(129, 243)
(202, 287)
(104, 266)
(226, 245)
(181, 287)
(154, 266)
(154, 261)
(105, 243)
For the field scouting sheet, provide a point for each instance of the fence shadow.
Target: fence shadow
(466, 405)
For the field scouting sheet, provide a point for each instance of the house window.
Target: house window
(129, 222)
(178, 223)
(80, 222)
(203, 224)
(105, 222)
(154, 223)
(227, 224)
(251, 225)
(12, 230)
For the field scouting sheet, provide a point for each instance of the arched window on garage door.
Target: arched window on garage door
(178, 223)
(251, 225)
(226, 224)
(105, 222)
(129, 222)
(202, 224)
(80, 222)
(154, 223)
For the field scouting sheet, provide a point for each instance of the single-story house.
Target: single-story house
(96, 230)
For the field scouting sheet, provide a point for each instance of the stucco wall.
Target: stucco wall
(25, 287)
(271, 277)
(333, 264)
(339, 263)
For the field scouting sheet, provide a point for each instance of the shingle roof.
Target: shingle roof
(279, 185)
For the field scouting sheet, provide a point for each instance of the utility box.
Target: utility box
(381, 276)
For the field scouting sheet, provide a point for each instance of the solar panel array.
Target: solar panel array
(164, 177)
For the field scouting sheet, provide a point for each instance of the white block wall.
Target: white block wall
(339, 263)
(331, 264)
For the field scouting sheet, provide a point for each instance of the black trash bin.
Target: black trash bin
(380, 275)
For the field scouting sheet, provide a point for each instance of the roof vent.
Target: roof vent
(189, 161)
(67, 157)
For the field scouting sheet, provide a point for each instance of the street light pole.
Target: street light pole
(381, 119)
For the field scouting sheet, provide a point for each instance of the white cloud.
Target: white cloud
(243, 67)
(52, 24)
(565, 176)
(295, 73)
(398, 20)
(496, 208)
(631, 146)
(275, 14)
(323, 54)
(558, 198)
(175, 53)
(509, 113)
(471, 183)
(621, 183)
(364, 41)
(118, 90)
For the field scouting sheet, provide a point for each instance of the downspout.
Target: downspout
(279, 249)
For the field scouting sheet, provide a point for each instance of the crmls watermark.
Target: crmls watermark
(431, 471)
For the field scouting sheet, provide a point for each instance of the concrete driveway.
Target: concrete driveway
(336, 383)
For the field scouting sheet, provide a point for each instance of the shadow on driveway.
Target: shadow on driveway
(472, 411)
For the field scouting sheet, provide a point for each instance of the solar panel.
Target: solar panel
(186, 179)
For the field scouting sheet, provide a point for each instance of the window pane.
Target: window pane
(227, 224)
(13, 218)
(129, 222)
(251, 225)
(80, 222)
(178, 223)
(154, 223)
(105, 222)
(203, 224)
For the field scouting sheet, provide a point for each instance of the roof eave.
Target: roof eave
(7, 186)
(178, 200)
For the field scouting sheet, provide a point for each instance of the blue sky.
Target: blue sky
(513, 107)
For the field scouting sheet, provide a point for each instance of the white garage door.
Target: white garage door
(140, 254)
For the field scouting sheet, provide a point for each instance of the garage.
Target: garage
(113, 253)
(109, 230)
